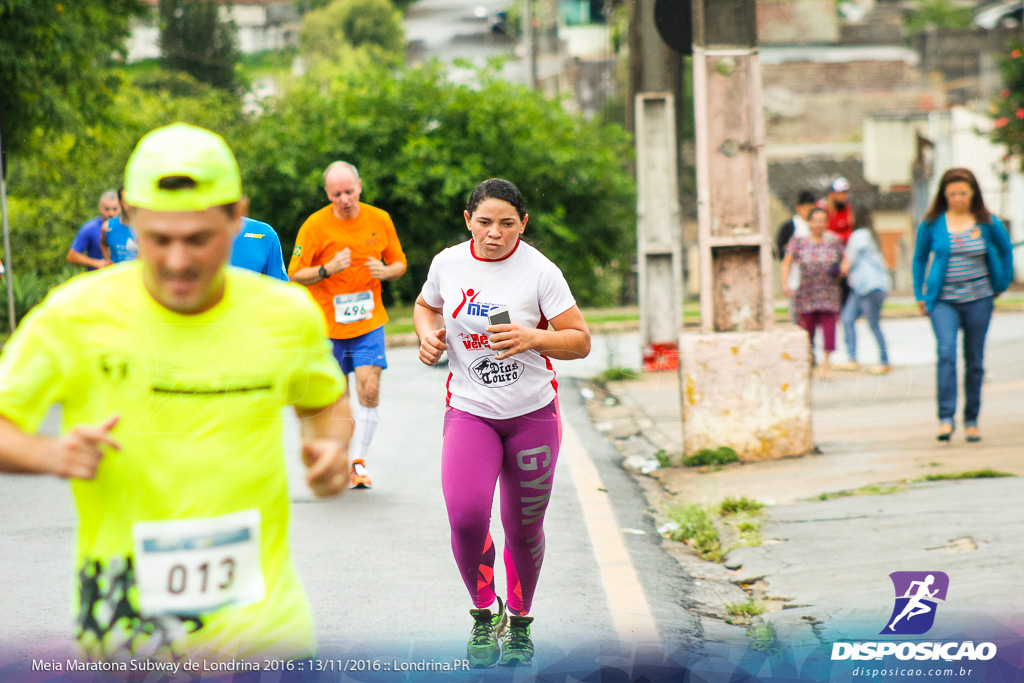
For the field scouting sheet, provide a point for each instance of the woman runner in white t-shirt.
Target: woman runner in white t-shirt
(502, 422)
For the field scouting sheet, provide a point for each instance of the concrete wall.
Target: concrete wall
(821, 96)
(797, 22)
(890, 144)
(747, 390)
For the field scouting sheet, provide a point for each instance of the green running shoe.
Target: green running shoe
(483, 649)
(516, 646)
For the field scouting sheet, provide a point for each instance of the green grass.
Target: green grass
(708, 456)
(984, 473)
(663, 457)
(615, 374)
(869, 490)
(741, 514)
(697, 528)
(734, 506)
(744, 611)
(763, 639)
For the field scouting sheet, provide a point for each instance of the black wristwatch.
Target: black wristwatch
(323, 273)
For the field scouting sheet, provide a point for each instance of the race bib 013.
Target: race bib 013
(194, 566)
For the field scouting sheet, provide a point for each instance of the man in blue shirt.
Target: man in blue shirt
(86, 250)
(257, 247)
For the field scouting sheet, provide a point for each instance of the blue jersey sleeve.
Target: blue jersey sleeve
(275, 259)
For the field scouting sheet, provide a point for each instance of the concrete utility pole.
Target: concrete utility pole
(656, 86)
(744, 385)
(659, 232)
(530, 45)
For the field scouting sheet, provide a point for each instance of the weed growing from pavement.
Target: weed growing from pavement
(744, 611)
(869, 490)
(984, 473)
(882, 489)
(708, 456)
(615, 374)
(763, 639)
(732, 506)
(663, 458)
(741, 514)
(696, 526)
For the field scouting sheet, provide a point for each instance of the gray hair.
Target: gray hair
(340, 164)
(108, 194)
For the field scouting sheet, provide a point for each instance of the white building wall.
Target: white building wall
(890, 146)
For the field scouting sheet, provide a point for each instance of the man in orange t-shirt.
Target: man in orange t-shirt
(342, 254)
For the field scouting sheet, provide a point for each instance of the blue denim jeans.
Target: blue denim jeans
(947, 319)
(868, 305)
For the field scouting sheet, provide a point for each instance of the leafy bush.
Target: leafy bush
(423, 142)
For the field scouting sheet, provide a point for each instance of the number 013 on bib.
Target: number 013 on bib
(351, 308)
(193, 566)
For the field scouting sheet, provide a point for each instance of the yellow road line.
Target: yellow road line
(631, 614)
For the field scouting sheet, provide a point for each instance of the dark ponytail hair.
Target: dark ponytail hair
(497, 188)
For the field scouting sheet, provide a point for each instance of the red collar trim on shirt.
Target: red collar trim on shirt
(493, 260)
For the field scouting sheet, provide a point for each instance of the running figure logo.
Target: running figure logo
(916, 593)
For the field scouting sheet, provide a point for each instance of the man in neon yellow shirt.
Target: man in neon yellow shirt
(172, 372)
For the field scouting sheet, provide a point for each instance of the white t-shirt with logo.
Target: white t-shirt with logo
(465, 287)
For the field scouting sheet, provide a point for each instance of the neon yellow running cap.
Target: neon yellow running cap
(181, 150)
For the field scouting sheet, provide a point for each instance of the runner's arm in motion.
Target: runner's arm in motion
(389, 273)
(80, 259)
(429, 324)
(311, 275)
(76, 455)
(326, 433)
(568, 338)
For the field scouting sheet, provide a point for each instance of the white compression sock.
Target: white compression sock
(366, 425)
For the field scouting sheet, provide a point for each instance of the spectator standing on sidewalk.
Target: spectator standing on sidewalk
(840, 212)
(840, 222)
(816, 300)
(795, 227)
(972, 263)
(870, 282)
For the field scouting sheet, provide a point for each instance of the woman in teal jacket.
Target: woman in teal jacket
(971, 263)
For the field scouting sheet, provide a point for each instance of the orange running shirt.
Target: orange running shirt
(345, 297)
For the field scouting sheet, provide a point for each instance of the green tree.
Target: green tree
(422, 143)
(54, 189)
(938, 14)
(53, 59)
(194, 39)
(374, 26)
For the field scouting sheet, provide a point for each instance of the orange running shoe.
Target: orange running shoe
(360, 479)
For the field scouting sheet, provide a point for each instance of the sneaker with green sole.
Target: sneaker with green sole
(483, 650)
(516, 646)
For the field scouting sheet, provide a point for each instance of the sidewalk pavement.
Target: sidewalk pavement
(823, 567)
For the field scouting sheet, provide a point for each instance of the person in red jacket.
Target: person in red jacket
(840, 213)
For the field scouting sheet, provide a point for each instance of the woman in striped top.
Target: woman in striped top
(971, 263)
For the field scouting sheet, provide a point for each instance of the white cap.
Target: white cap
(840, 184)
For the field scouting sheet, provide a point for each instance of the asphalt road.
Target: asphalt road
(377, 564)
